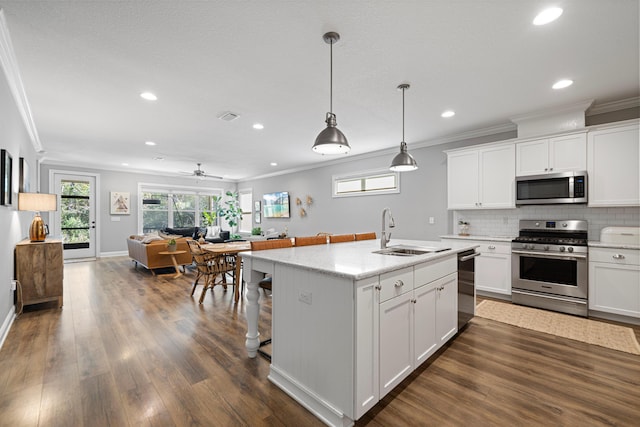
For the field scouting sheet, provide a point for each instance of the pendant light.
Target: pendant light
(331, 140)
(403, 161)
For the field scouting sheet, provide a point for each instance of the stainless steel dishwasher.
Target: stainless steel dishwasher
(466, 287)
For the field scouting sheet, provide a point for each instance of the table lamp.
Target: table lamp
(37, 202)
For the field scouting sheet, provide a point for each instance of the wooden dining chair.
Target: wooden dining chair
(339, 238)
(260, 245)
(366, 236)
(212, 268)
(311, 240)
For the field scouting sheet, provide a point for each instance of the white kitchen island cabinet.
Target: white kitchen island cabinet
(346, 321)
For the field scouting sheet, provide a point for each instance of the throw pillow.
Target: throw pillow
(149, 239)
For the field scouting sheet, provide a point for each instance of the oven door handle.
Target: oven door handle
(468, 257)
(550, 255)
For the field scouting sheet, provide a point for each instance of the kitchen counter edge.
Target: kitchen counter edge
(393, 263)
(507, 239)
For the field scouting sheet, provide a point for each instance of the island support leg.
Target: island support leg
(253, 309)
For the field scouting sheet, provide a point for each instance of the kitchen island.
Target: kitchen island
(348, 324)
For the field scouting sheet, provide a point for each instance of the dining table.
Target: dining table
(231, 248)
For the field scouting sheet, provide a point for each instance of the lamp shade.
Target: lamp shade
(331, 140)
(403, 161)
(37, 202)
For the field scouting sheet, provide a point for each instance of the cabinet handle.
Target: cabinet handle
(413, 300)
(491, 247)
(618, 256)
(546, 169)
(398, 284)
(378, 287)
(550, 169)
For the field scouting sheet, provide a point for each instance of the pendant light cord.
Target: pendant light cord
(331, 77)
(403, 114)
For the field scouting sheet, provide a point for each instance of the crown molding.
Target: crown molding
(9, 64)
(608, 107)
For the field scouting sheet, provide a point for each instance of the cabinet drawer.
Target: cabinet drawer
(430, 271)
(495, 247)
(615, 256)
(396, 283)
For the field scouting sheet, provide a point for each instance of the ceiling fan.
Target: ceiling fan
(199, 173)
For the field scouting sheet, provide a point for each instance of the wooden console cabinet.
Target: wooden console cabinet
(39, 269)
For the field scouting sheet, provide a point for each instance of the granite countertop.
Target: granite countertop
(597, 244)
(478, 237)
(355, 260)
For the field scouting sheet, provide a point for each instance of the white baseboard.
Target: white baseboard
(113, 254)
(6, 325)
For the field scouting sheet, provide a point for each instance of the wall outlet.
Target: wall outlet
(14, 284)
(432, 220)
(305, 297)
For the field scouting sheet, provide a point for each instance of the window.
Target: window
(162, 207)
(246, 223)
(365, 183)
(75, 223)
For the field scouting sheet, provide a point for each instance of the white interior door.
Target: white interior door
(75, 219)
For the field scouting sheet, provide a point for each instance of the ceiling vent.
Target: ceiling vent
(228, 116)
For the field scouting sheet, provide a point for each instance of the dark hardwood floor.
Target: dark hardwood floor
(129, 348)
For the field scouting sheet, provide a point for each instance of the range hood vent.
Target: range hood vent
(550, 121)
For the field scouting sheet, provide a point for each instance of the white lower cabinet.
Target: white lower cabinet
(418, 321)
(493, 266)
(614, 281)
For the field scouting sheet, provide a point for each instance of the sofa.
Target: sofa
(146, 252)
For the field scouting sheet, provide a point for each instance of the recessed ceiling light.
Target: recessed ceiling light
(273, 164)
(258, 126)
(148, 96)
(561, 84)
(125, 164)
(158, 158)
(150, 143)
(547, 15)
(448, 113)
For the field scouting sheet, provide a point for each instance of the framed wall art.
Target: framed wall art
(24, 185)
(120, 203)
(6, 173)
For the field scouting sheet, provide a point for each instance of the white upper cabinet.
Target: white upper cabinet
(481, 178)
(613, 155)
(550, 155)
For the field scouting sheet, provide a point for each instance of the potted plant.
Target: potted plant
(256, 231)
(172, 245)
(463, 228)
(232, 213)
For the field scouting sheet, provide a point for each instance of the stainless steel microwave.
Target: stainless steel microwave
(552, 188)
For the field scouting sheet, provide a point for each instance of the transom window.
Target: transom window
(380, 181)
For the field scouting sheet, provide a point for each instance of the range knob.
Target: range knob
(564, 224)
(546, 247)
(562, 248)
(570, 248)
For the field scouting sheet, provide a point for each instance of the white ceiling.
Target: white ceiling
(84, 64)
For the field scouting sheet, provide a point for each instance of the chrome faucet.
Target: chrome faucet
(384, 239)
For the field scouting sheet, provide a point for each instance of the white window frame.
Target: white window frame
(246, 192)
(170, 189)
(363, 175)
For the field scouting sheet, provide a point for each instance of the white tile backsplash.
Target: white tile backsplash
(504, 222)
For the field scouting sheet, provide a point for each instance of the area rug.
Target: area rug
(590, 331)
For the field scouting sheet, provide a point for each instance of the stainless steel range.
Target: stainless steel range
(549, 265)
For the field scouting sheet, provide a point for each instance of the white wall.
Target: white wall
(113, 234)
(423, 194)
(14, 225)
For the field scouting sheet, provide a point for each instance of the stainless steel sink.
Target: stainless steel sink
(409, 250)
